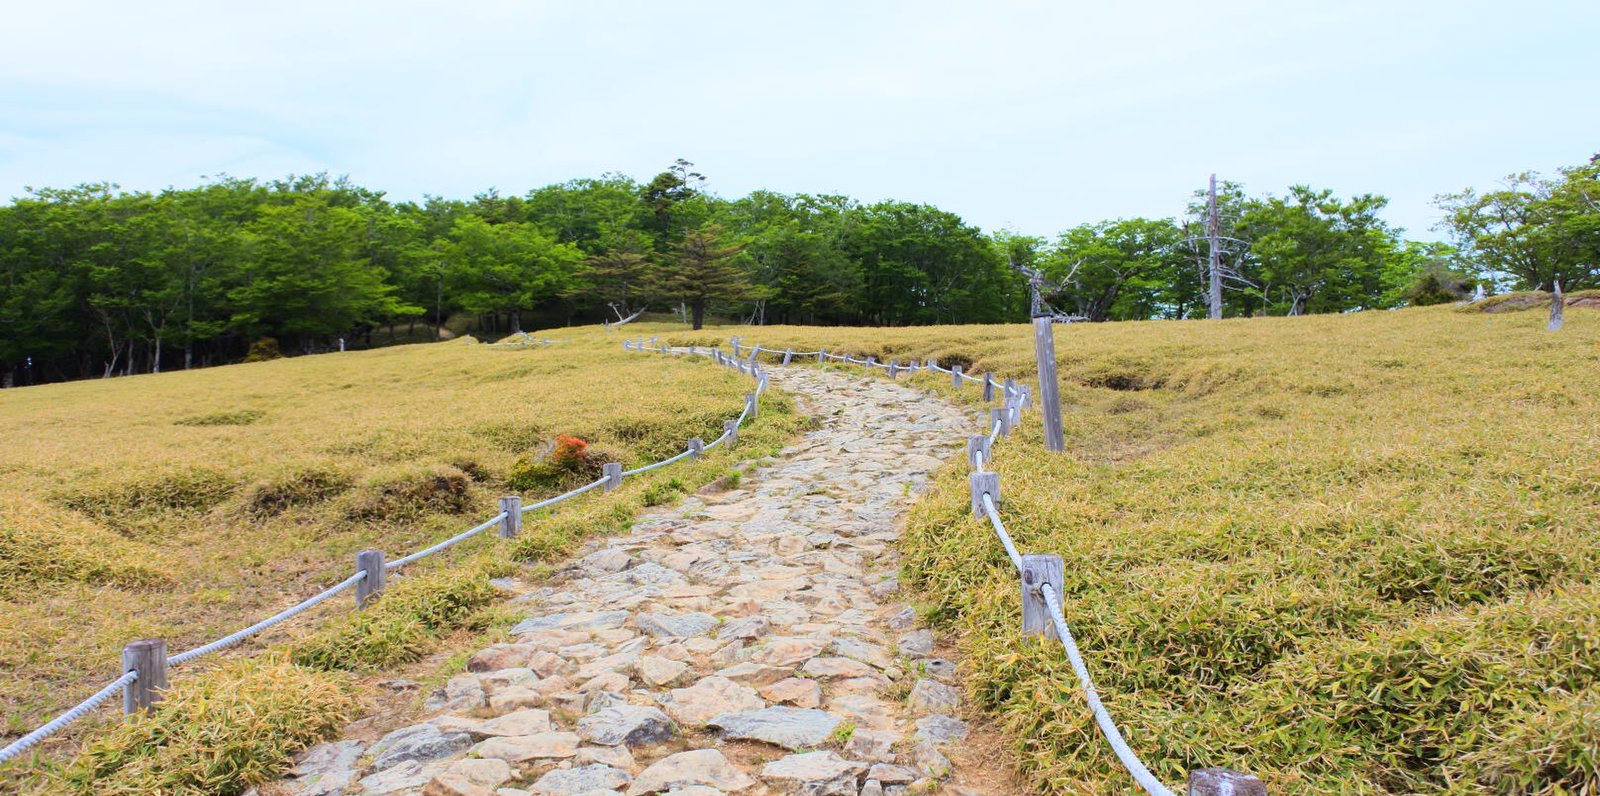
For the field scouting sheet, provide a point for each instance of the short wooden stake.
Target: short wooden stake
(750, 405)
(976, 444)
(148, 659)
(1224, 782)
(931, 364)
(894, 368)
(1038, 570)
(1558, 304)
(511, 506)
(731, 428)
(988, 386)
(735, 343)
(370, 562)
(822, 353)
(981, 484)
(872, 362)
(1003, 418)
(627, 345)
(1027, 396)
(1009, 393)
(788, 354)
(613, 473)
(955, 376)
(697, 448)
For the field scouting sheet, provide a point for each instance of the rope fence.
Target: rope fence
(145, 662)
(1041, 575)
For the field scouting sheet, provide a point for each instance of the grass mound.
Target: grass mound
(216, 733)
(42, 545)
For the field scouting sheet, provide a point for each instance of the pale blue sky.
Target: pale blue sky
(1034, 116)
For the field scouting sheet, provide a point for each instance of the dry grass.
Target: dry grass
(1351, 554)
(185, 505)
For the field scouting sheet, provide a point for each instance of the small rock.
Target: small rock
(903, 619)
(580, 780)
(608, 560)
(419, 742)
(521, 722)
(706, 768)
(931, 696)
(930, 760)
(872, 788)
(409, 775)
(326, 768)
(917, 644)
(787, 651)
(658, 672)
(942, 668)
(628, 725)
(518, 698)
(790, 728)
(470, 778)
(518, 748)
(614, 756)
(750, 627)
(940, 730)
(797, 691)
(678, 625)
(871, 745)
(585, 620)
(711, 697)
(520, 677)
(814, 773)
(891, 775)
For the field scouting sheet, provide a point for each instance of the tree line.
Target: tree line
(95, 281)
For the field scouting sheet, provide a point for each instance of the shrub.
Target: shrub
(214, 733)
(277, 494)
(262, 350)
(402, 625)
(411, 492)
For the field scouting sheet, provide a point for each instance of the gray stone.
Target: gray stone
(584, 779)
(326, 768)
(790, 728)
(932, 696)
(407, 775)
(891, 775)
(711, 697)
(676, 626)
(902, 619)
(629, 725)
(820, 773)
(585, 620)
(750, 627)
(916, 644)
(940, 730)
(419, 742)
(700, 768)
(460, 693)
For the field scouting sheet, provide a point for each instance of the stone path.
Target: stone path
(744, 642)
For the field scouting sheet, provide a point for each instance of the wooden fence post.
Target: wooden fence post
(1558, 305)
(986, 483)
(821, 354)
(988, 386)
(512, 524)
(1002, 417)
(370, 562)
(1224, 782)
(613, 473)
(731, 428)
(750, 404)
(697, 448)
(1038, 570)
(788, 354)
(1044, 348)
(148, 659)
(894, 368)
(977, 444)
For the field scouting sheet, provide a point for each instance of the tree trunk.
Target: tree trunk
(699, 308)
(516, 321)
(8, 379)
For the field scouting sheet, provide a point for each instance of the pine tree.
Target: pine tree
(702, 270)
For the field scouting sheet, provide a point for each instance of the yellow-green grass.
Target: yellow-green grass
(187, 505)
(1350, 554)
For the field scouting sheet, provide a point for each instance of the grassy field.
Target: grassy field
(1350, 554)
(186, 505)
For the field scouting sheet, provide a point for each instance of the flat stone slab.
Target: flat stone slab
(790, 728)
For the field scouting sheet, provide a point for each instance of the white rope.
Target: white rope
(563, 496)
(446, 544)
(32, 739)
(1000, 531)
(663, 463)
(1108, 728)
(230, 640)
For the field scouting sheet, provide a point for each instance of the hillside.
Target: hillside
(1347, 553)
(187, 505)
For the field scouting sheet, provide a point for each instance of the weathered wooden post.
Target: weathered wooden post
(822, 354)
(613, 474)
(894, 368)
(371, 563)
(788, 354)
(1001, 417)
(1038, 570)
(511, 525)
(1044, 348)
(146, 658)
(986, 483)
(750, 405)
(735, 343)
(1008, 392)
(872, 362)
(977, 446)
(697, 448)
(627, 345)
(1224, 782)
(955, 375)
(988, 385)
(1558, 305)
(731, 428)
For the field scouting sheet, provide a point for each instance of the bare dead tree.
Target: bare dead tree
(1558, 306)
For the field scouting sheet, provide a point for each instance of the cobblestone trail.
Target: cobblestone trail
(744, 642)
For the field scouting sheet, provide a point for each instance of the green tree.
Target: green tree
(1116, 269)
(505, 268)
(701, 271)
(1534, 230)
